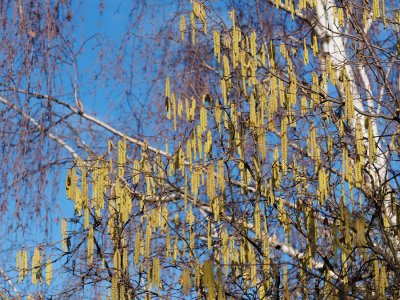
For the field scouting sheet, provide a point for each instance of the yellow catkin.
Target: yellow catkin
(257, 220)
(284, 143)
(263, 56)
(217, 45)
(155, 272)
(315, 91)
(117, 261)
(276, 173)
(137, 250)
(201, 14)
(175, 250)
(18, 265)
(360, 232)
(314, 44)
(323, 188)
(349, 103)
(376, 12)
(185, 281)
(282, 93)
(147, 241)
(125, 262)
(199, 141)
(192, 110)
(359, 161)
(340, 16)
(253, 113)
(23, 265)
(64, 235)
(173, 110)
(253, 44)
(359, 138)
(36, 263)
(208, 278)
(193, 25)
(182, 27)
(70, 184)
(224, 91)
(180, 108)
(221, 176)
(136, 169)
(217, 116)
(305, 50)
(226, 71)
(283, 50)
(371, 141)
(303, 106)
(285, 281)
(121, 157)
(330, 148)
(85, 196)
(210, 182)
(167, 88)
(203, 118)
(114, 287)
(209, 237)
(236, 35)
(49, 271)
(90, 246)
(208, 144)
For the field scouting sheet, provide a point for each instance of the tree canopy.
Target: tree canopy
(269, 172)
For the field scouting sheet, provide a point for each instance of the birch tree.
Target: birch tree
(279, 175)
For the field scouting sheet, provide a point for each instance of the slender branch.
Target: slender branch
(52, 136)
(4, 274)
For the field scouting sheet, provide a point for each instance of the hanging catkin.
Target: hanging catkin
(208, 278)
(185, 281)
(359, 161)
(193, 26)
(284, 143)
(349, 104)
(21, 264)
(121, 157)
(64, 235)
(371, 140)
(173, 110)
(210, 181)
(182, 27)
(305, 52)
(360, 232)
(376, 12)
(70, 184)
(167, 90)
(217, 45)
(303, 106)
(276, 173)
(36, 267)
(257, 220)
(114, 287)
(147, 241)
(253, 45)
(90, 246)
(137, 249)
(236, 35)
(226, 71)
(49, 271)
(155, 273)
(253, 113)
(323, 188)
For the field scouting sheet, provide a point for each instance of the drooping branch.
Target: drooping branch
(32, 120)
